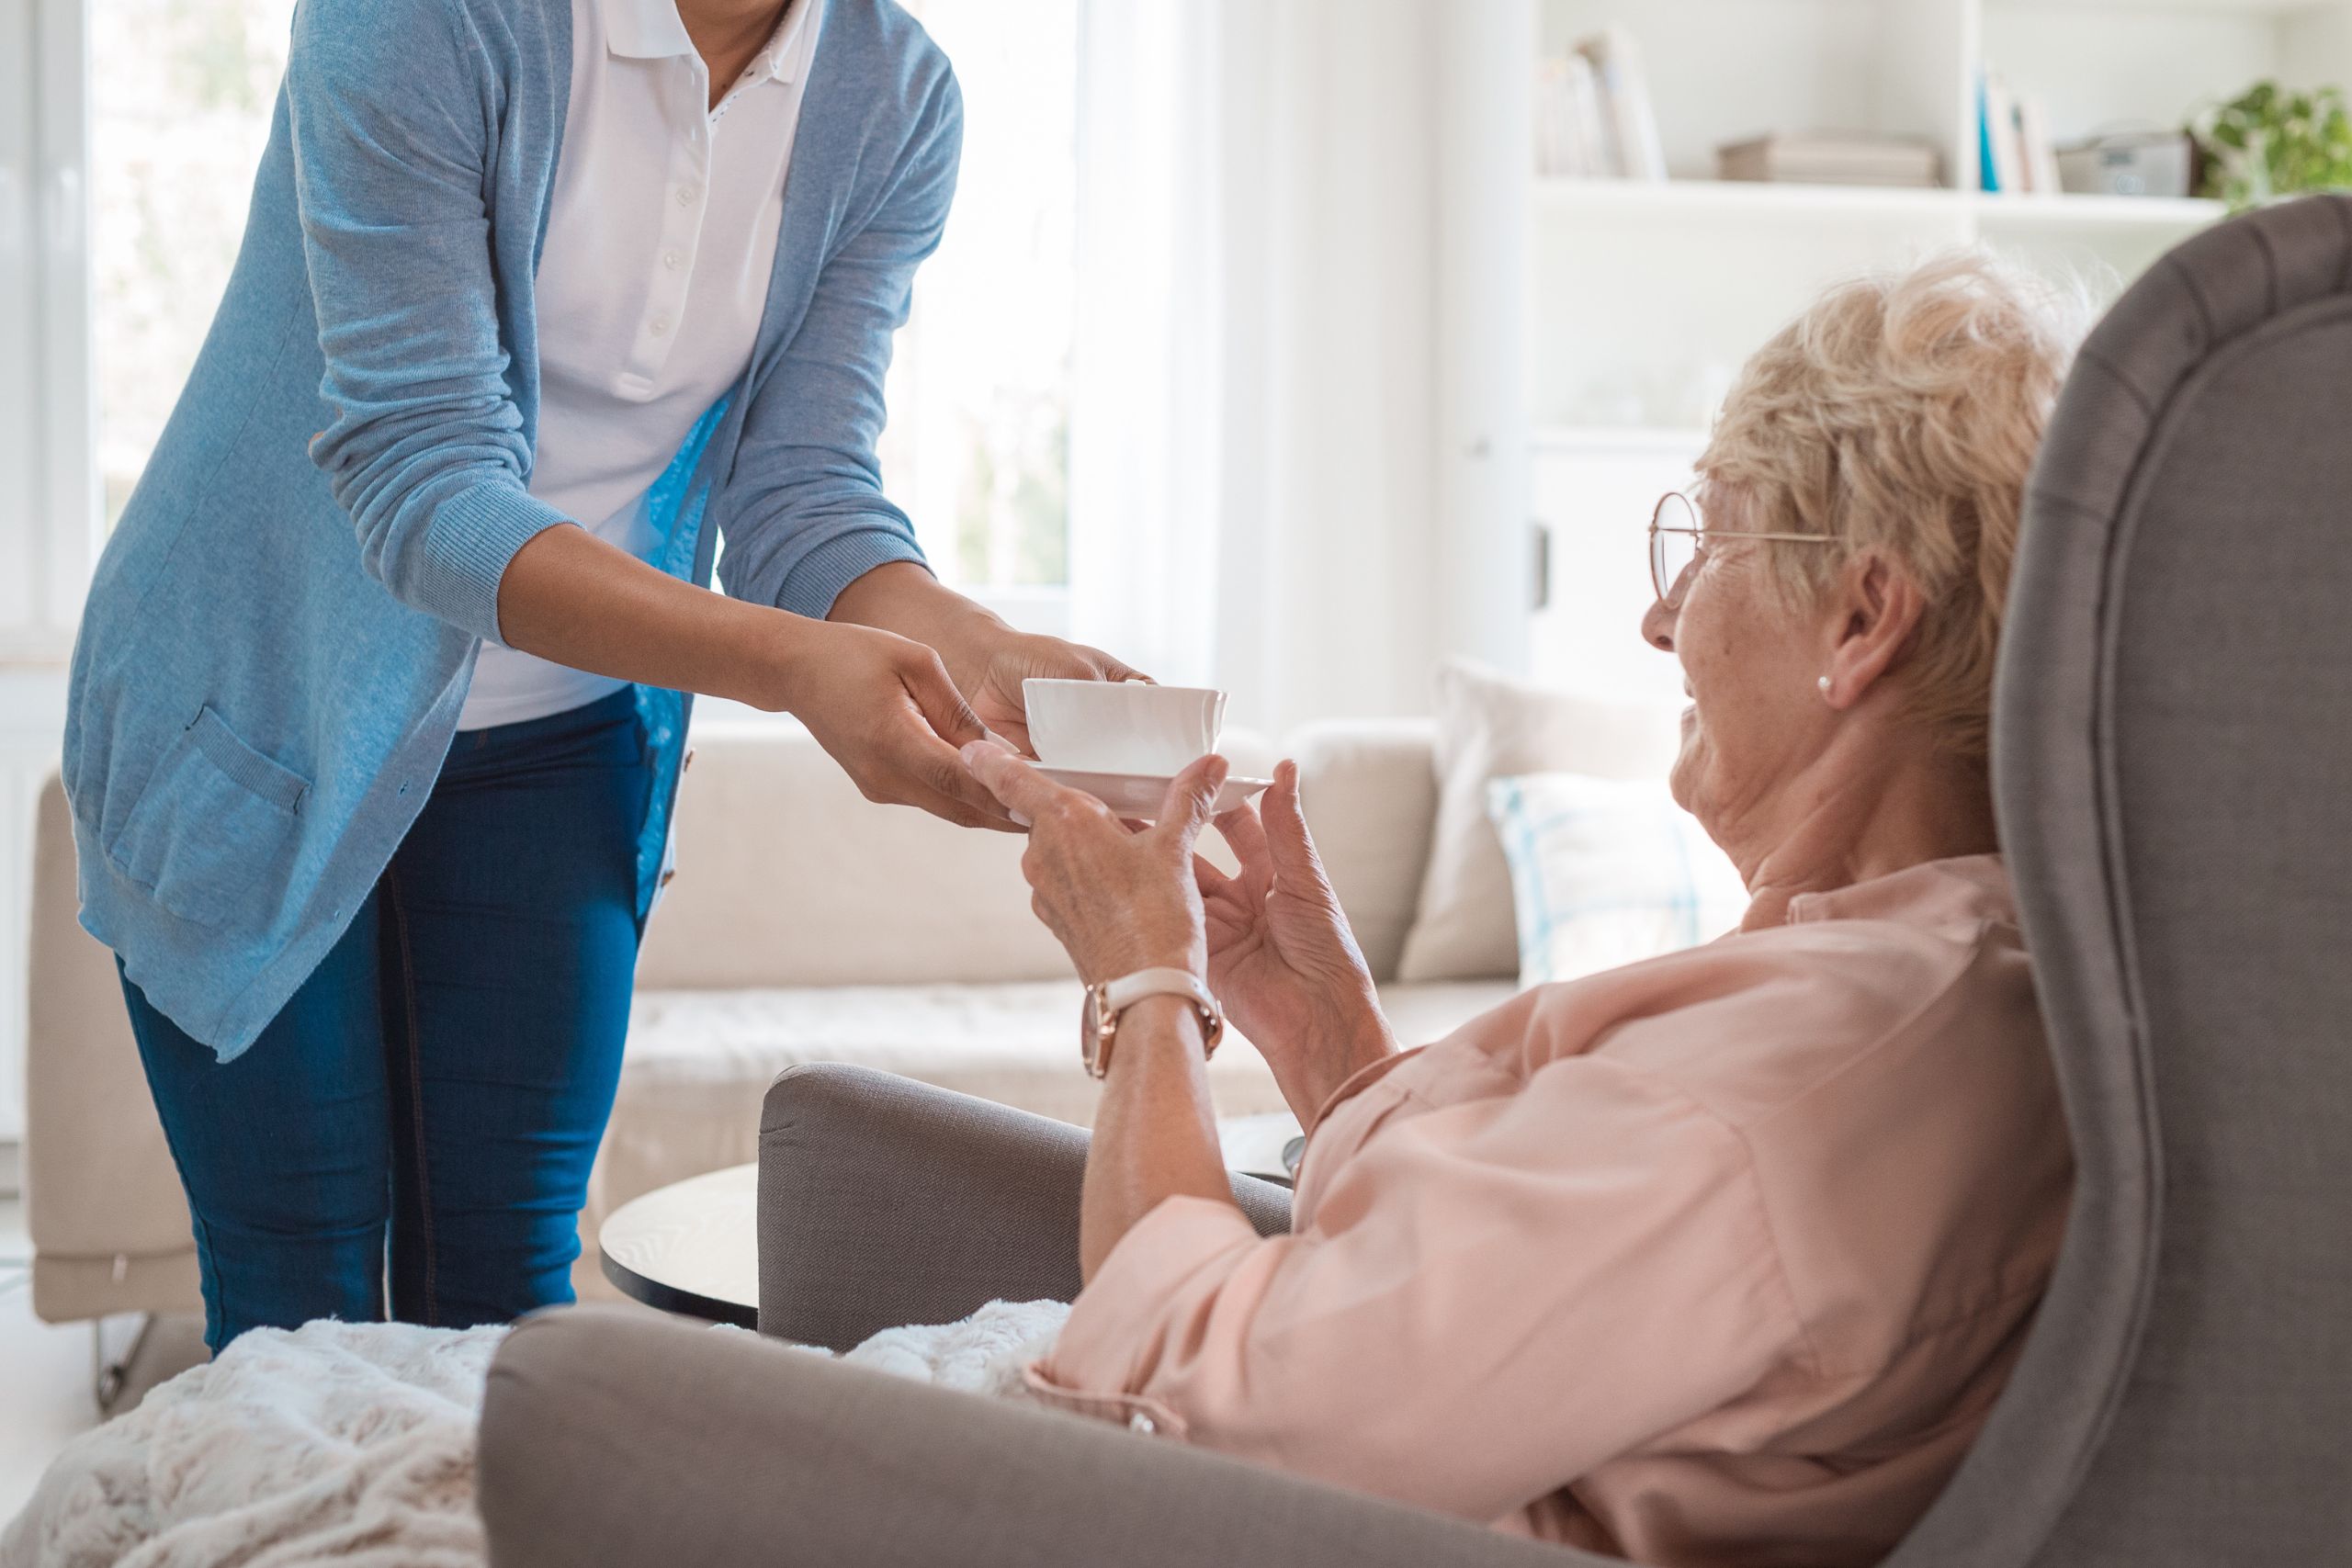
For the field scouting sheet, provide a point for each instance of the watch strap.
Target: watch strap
(1111, 999)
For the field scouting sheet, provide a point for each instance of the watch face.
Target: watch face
(1089, 1031)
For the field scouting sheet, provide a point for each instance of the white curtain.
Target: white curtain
(1252, 464)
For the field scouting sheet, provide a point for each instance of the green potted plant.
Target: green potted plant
(2268, 142)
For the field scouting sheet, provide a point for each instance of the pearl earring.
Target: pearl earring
(1824, 685)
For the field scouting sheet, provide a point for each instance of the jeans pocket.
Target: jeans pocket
(217, 815)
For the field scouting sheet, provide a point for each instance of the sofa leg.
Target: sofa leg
(108, 1378)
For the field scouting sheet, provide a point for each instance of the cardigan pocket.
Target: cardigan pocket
(217, 814)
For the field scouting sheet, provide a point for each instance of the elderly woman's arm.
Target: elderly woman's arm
(1155, 1132)
(1122, 900)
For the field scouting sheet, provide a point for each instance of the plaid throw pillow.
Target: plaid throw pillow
(1605, 872)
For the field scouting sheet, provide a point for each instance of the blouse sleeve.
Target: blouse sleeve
(1486, 1300)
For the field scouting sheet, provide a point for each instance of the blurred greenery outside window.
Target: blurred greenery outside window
(977, 451)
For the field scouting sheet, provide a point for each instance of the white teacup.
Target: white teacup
(1121, 726)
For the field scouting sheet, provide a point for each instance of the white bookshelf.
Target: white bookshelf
(1746, 201)
(1625, 307)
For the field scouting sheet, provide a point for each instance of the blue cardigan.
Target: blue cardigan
(282, 628)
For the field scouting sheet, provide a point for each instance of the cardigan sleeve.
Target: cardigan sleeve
(390, 109)
(805, 516)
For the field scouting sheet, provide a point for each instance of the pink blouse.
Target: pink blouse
(1718, 1258)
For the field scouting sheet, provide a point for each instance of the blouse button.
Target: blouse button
(660, 324)
(673, 260)
(686, 195)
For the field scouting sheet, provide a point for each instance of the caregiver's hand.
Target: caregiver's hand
(988, 659)
(883, 706)
(994, 685)
(1281, 960)
(1118, 899)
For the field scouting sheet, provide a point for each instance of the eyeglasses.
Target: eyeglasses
(1676, 537)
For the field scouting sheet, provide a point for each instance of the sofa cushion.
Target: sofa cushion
(1489, 726)
(1369, 795)
(1605, 872)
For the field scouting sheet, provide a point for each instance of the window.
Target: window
(180, 95)
(180, 99)
(978, 448)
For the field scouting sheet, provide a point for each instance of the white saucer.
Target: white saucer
(1139, 795)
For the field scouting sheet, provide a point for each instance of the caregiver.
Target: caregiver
(378, 706)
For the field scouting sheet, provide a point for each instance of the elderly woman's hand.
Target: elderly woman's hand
(1281, 960)
(1119, 898)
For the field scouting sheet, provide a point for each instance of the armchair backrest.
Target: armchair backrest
(2173, 768)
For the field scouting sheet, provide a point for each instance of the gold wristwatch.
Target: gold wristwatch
(1099, 1025)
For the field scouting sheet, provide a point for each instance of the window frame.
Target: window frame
(50, 509)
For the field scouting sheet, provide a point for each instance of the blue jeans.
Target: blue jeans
(424, 1111)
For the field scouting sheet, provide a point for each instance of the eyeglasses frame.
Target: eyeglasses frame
(1667, 592)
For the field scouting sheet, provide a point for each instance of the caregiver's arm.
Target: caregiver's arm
(882, 705)
(1122, 900)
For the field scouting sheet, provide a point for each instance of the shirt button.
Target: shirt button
(673, 260)
(686, 195)
(660, 324)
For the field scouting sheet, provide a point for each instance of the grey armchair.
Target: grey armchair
(2173, 768)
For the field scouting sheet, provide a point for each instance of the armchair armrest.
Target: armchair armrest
(615, 1439)
(885, 1202)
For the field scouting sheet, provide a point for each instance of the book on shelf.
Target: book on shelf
(2015, 155)
(2006, 171)
(2037, 152)
(1569, 140)
(1829, 158)
(1593, 115)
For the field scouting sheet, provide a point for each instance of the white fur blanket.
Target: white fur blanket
(352, 1444)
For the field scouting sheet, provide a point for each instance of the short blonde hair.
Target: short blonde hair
(1900, 414)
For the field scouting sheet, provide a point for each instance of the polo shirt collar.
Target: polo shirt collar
(649, 30)
(644, 29)
(782, 58)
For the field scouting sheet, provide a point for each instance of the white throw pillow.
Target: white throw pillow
(1490, 725)
(1605, 872)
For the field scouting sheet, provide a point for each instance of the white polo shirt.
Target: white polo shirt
(661, 232)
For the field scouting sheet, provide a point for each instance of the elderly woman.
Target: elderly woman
(1720, 1257)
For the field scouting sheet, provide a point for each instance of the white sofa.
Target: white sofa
(803, 924)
